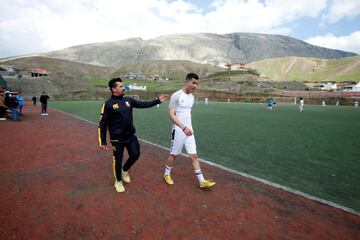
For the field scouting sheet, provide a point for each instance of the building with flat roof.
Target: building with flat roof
(38, 72)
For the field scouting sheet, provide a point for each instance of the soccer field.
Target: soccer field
(316, 152)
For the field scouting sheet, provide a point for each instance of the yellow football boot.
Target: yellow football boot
(207, 184)
(125, 176)
(168, 179)
(119, 186)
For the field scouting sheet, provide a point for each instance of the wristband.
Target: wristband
(184, 128)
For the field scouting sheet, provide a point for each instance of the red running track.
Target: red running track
(56, 184)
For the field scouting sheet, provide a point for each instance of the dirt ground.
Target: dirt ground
(56, 184)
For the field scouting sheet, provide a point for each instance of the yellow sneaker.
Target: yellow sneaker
(119, 186)
(168, 179)
(125, 176)
(207, 184)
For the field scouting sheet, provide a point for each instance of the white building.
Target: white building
(326, 86)
(351, 88)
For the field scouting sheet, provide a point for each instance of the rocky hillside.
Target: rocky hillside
(58, 68)
(247, 82)
(309, 69)
(66, 79)
(174, 69)
(215, 49)
(73, 80)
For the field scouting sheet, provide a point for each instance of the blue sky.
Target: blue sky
(33, 26)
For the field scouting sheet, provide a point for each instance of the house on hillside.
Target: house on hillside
(132, 75)
(351, 88)
(158, 77)
(329, 86)
(236, 66)
(8, 71)
(38, 72)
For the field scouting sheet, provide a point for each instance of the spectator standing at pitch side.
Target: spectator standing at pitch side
(13, 106)
(21, 102)
(43, 99)
(34, 100)
(3, 107)
(180, 108)
(116, 116)
(7, 99)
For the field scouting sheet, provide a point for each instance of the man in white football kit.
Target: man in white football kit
(301, 105)
(182, 135)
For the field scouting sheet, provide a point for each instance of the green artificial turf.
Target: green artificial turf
(316, 152)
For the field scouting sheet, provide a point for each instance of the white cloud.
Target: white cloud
(58, 24)
(41, 25)
(271, 16)
(349, 43)
(340, 9)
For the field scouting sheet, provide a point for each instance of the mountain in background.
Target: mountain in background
(309, 69)
(59, 69)
(65, 80)
(173, 69)
(206, 48)
(70, 80)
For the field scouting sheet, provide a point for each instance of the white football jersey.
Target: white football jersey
(182, 102)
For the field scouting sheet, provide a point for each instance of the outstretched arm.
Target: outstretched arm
(163, 97)
(151, 103)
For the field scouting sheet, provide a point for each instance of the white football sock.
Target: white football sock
(199, 175)
(167, 170)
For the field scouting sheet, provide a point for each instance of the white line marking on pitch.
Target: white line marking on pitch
(332, 204)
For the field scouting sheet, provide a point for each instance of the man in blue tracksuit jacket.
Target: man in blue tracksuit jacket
(117, 116)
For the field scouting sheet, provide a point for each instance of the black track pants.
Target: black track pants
(133, 149)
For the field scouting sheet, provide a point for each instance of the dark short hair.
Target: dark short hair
(112, 82)
(191, 76)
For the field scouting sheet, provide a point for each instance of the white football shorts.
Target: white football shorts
(179, 139)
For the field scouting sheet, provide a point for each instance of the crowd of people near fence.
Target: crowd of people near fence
(12, 104)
